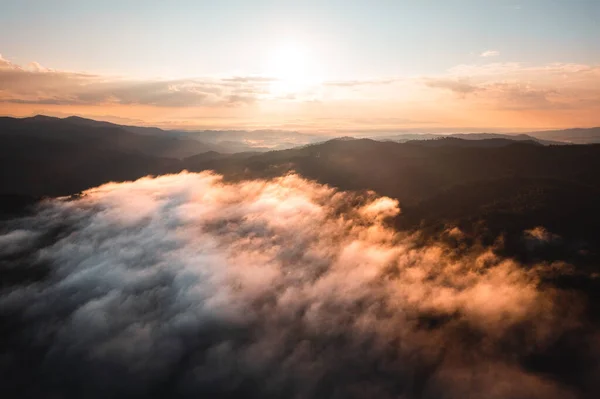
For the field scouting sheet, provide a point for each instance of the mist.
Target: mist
(189, 286)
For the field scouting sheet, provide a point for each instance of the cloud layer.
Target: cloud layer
(187, 286)
(514, 86)
(36, 84)
(491, 95)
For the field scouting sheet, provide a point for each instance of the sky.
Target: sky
(327, 66)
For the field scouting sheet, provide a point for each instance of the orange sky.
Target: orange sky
(491, 96)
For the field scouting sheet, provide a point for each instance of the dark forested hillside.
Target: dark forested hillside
(491, 190)
(99, 135)
(511, 186)
(413, 172)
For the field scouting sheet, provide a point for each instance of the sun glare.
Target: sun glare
(293, 68)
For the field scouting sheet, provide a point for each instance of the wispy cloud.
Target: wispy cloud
(259, 102)
(490, 53)
(459, 86)
(515, 86)
(36, 84)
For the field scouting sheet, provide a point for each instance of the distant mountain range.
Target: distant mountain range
(151, 140)
(101, 135)
(182, 143)
(532, 137)
(44, 155)
(575, 136)
(225, 141)
(546, 137)
(483, 142)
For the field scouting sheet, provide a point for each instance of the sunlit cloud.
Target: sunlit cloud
(39, 85)
(572, 88)
(197, 286)
(505, 95)
(460, 86)
(490, 53)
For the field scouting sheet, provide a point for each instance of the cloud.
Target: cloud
(40, 85)
(188, 286)
(511, 95)
(36, 67)
(3, 62)
(517, 69)
(519, 87)
(459, 86)
(490, 53)
(539, 237)
(523, 96)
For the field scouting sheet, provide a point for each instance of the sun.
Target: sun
(292, 67)
(289, 61)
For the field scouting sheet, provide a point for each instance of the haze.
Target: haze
(342, 67)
